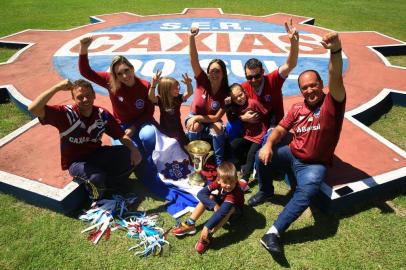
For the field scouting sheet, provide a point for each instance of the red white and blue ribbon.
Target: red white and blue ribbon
(146, 229)
(106, 216)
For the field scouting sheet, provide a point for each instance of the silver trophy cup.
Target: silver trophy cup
(200, 152)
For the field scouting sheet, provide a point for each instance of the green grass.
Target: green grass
(361, 238)
(383, 16)
(6, 53)
(393, 126)
(397, 60)
(11, 118)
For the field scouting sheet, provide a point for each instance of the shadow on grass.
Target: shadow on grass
(280, 258)
(142, 193)
(240, 229)
(324, 226)
(127, 188)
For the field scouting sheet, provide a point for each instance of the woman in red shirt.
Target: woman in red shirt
(208, 103)
(128, 95)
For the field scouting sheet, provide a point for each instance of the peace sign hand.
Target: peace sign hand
(156, 78)
(186, 80)
(293, 34)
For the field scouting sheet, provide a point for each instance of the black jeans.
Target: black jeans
(104, 168)
(243, 152)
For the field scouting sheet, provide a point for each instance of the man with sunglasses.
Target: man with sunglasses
(316, 126)
(265, 88)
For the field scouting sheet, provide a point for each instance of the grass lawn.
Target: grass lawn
(11, 118)
(361, 238)
(393, 126)
(364, 237)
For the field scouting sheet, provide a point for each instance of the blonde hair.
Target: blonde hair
(117, 60)
(227, 173)
(164, 90)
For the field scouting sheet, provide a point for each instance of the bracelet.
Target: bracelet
(338, 51)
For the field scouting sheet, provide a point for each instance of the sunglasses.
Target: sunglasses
(256, 76)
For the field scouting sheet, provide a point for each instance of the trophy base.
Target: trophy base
(196, 179)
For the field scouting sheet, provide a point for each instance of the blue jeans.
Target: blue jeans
(234, 129)
(308, 179)
(223, 211)
(144, 136)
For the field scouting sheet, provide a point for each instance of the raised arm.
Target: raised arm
(37, 107)
(189, 88)
(291, 62)
(101, 78)
(194, 56)
(154, 82)
(85, 44)
(336, 87)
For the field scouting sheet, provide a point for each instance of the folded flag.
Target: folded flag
(165, 174)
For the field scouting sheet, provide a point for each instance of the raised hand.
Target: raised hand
(331, 41)
(64, 85)
(189, 88)
(293, 34)
(156, 78)
(186, 79)
(85, 42)
(194, 31)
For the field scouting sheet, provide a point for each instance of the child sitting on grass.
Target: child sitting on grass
(169, 101)
(224, 196)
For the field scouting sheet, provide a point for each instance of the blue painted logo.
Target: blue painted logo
(163, 44)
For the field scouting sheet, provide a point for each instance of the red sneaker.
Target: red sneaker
(244, 185)
(202, 245)
(183, 229)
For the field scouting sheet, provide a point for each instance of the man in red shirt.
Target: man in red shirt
(81, 127)
(316, 125)
(266, 88)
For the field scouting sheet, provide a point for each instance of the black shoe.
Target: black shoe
(258, 198)
(272, 242)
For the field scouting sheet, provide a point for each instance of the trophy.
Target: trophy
(199, 152)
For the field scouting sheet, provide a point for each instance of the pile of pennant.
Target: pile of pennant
(108, 215)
